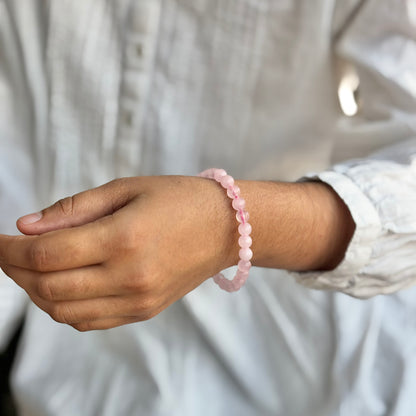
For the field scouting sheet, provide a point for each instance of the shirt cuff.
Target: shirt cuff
(344, 277)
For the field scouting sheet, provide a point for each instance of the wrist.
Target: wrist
(297, 226)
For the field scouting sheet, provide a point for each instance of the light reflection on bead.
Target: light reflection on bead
(245, 229)
(239, 204)
(245, 254)
(244, 265)
(233, 192)
(242, 216)
(245, 241)
(241, 275)
(227, 181)
(219, 173)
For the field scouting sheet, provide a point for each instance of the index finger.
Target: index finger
(59, 250)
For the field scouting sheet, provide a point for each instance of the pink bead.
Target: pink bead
(241, 275)
(219, 173)
(245, 241)
(242, 216)
(245, 254)
(238, 284)
(227, 181)
(217, 278)
(222, 284)
(239, 204)
(244, 266)
(211, 173)
(245, 229)
(239, 279)
(233, 192)
(226, 284)
(208, 173)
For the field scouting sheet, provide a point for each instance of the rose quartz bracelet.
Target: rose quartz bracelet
(245, 241)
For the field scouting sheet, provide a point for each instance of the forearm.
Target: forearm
(296, 226)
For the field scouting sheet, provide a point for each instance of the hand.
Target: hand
(122, 252)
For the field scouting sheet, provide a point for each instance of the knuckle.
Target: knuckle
(62, 313)
(44, 288)
(136, 283)
(38, 256)
(131, 284)
(66, 205)
(139, 281)
(120, 190)
(145, 307)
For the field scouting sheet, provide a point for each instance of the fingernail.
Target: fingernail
(31, 218)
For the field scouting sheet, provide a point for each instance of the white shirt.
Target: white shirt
(98, 89)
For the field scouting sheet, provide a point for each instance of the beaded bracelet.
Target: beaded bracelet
(245, 241)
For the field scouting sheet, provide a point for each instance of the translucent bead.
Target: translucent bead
(245, 229)
(242, 216)
(230, 286)
(245, 254)
(217, 278)
(226, 284)
(208, 173)
(219, 173)
(233, 192)
(238, 284)
(227, 181)
(222, 284)
(239, 279)
(245, 241)
(244, 266)
(239, 204)
(241, 275)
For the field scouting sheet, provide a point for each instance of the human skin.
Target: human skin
(123, 252)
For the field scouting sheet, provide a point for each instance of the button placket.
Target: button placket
(139, 52)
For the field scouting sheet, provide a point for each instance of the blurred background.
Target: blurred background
(7, 407)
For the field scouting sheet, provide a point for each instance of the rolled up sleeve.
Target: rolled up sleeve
(379, 189)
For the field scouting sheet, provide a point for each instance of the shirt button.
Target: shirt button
(136, 54)
(139, 50)
(127, 117)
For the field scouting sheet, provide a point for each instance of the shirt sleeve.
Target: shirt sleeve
(379, 41)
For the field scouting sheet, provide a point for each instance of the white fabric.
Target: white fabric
(97, 89)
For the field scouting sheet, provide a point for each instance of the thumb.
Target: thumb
(77, 210)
